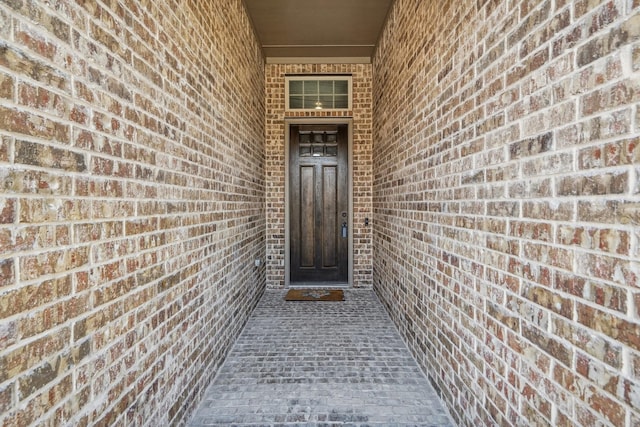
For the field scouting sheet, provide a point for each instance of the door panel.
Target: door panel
(318, 203)
(307, 216)
(329, 220)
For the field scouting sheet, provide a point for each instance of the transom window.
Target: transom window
(318, 92)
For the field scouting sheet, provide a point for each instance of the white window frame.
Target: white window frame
(347, 78)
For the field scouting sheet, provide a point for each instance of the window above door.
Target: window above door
(309, 93)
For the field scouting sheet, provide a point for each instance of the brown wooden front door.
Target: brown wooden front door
(318, 202)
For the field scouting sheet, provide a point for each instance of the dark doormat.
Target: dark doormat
(314, 295)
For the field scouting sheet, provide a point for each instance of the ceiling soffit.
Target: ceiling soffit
(318, 30)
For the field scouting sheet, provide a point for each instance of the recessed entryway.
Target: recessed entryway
(318, 203)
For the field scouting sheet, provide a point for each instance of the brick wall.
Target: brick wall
(507, 204)
(275, 164)
(132, 205)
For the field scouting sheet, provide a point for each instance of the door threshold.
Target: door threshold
(322, 285)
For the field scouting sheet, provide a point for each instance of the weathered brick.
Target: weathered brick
(607, 240)
(605, 267)
(6, 240)
(43, 402)
(615, 327)
(109, 167)
(531, 231)
(546, 166)
(616, 153)
(5, 24)
(601, 375)
(51, 23)
(6, 148)
(603, 349)
(7, 85)
(35, 42)
(29, 297)
(21, 64)
(36, 182)
(39, 378)
(8, 211)
(35, 154)
(32, 125)
(502, 208)
(528, 25)
(100, 35)
(52, 316)
(548, 210)
(99, 143)
(531, 146)
(110, 84)
(9, 334)
(618, 36)
(509, 320)
(601, 184)
(609, 408)
(542, 34)
(6, 397)
(23, 358)
(610, 212)
(7, 268)
(582, 7)
(112, 291)
(34, 211)
(35, 266)
(621, 93)
(43, 99)
(550, 300)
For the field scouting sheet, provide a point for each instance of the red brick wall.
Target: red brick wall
(132, 205)
(507, 204)
(275, 164)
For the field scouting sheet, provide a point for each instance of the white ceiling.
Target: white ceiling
(318, 30)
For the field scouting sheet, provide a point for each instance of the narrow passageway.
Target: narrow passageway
(320, 363)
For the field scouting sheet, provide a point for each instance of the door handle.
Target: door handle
(344, 230)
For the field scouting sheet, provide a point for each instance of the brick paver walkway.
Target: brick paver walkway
(320, 364)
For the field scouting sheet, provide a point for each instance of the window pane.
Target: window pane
(332, 150)
(310, 87)
(305, 151)
(326, 87)
(295, 87)
(310, 102)
(342, 87)
(295, 101)
(305, 138)
(327, 101)
(341, 101)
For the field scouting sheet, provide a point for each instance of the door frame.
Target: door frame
(287, 224)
